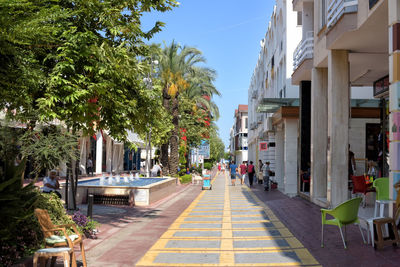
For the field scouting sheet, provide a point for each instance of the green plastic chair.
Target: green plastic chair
(344, 214)
(382, 194)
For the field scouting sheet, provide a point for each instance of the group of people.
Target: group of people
(249, 170)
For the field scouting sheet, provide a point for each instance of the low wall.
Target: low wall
(144, 195)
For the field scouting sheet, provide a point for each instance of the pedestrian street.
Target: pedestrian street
(227, 226)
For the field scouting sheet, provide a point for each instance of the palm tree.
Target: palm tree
(201, 90)
(178, 70)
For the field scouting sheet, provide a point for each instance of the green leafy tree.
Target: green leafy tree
(78, 62)
(217, 147)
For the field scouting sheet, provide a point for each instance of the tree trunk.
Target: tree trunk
(164, 147)
(164, 158)
(174, 139)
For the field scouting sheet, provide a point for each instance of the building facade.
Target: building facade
(282, 108)
(347, 44)
(271, 86)
(238, 135)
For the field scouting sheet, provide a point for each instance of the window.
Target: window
(299, 18)
(271, 144)
(245, 123)
(372, 3)
(323, 11)
(272, 61)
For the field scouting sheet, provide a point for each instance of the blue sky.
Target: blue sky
(228, 32)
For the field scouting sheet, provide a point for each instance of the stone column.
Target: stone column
(99, 152)
(394, 93)
(109, 153)
(290, 157)
(279, 159)
(338, 126)
(319, 133)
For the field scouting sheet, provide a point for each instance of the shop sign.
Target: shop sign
(396, 126)
(394, 96)
(395, 156)
(263, 146)
(381, 86)
(204, 149)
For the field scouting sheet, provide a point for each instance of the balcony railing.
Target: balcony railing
(304, 50)
(338, 8)
(254, 94)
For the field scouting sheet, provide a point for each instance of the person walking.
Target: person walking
(250, 173)
(243, 171)
(233, 169)
(260, 170)
(266, 172)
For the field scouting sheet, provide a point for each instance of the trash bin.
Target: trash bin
(206, 182)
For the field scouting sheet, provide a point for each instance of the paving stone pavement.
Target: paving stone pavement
(227, 226)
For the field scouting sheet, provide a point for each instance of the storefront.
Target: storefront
(381, 135)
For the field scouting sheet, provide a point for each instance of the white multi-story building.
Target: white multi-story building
(270, 88)
(239, 131)
(345, 44)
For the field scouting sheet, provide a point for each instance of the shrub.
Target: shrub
(208, 165)
(184, 179)
(85, 224)
(182, 172)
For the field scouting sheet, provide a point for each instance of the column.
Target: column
(290, 157)
(109, 153)
(338, 126)
(394, 93)
(279, 158)
(319, 133)
(99, 152)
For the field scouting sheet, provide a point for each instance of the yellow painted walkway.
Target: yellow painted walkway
(227, 226)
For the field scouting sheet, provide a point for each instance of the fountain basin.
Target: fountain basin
(144, 191)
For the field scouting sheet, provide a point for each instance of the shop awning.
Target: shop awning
(271, 105)
(134, 138)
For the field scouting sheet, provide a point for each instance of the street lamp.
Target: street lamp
(149, 82)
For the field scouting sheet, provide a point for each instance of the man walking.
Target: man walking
(233, 169)
(266, 172)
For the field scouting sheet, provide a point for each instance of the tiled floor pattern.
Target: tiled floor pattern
(227, 226)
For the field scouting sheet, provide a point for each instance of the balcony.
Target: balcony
(338, 8)
(254, 94)
(305, 50)
(253, 125)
